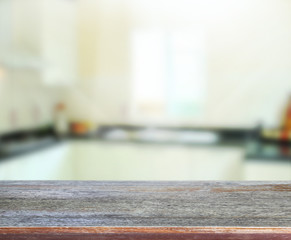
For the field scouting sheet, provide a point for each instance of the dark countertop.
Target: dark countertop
(269, 151)
(106, 210)
(33, 147)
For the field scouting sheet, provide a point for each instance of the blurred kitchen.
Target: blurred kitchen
(145, 89)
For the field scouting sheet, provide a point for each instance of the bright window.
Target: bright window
(168, 75)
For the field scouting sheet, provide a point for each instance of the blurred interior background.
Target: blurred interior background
(145, 89)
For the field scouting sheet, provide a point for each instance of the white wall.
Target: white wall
(30, 43)
(102, 92)
(247, 47)
(24, 102)
(249, 61)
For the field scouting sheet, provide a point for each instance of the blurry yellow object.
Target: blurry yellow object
(273, 134)
(287, 116)
(83, 127)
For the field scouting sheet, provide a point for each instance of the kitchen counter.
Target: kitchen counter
(31, 141)
(253, 149)
(145, 210)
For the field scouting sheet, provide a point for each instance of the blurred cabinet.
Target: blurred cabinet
(92, 160)
(267, 170)
(5, 28)
(52, 163)
(116, 161)
(59, 41)
(40, 35)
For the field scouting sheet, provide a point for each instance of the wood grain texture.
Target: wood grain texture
(145, 210)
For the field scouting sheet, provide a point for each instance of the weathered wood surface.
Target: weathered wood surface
(145, 210)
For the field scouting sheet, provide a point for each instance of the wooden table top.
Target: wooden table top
(145, 210)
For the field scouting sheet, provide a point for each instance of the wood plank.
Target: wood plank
(145, 210)
(141, 233)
